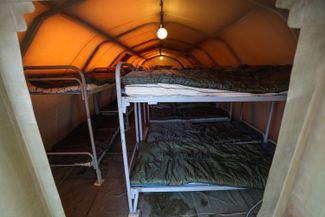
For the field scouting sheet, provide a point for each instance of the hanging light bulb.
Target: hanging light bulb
(161, 57)
(162, 33)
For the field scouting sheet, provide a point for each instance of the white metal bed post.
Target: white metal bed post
(230, 110)
(269, 120)
(96, 103)
(140, 122)
(148, 113)
(136, 122)
(122, 134)
(144, 108)
(90, 128)
(241, 111)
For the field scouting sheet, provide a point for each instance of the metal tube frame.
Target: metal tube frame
(230, 111)
(84, 93)
(96, 103)
(148, 113)
(144, 107)
(125, 101)
(140, 122)
(122, 134)
(136, 122)
(268, 122)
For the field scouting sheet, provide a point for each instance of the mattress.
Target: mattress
(186, 112)
(175, 162)
(67, 89)
(93, 81)
(181, 90)
(255, 79)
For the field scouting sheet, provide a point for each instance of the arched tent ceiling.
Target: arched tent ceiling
(206, 33)
(166, 61)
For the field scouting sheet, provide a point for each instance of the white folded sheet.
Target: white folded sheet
(162, 89)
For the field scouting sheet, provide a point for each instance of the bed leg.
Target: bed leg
(96, 103)
(268, 124)
(99, 183)
(136, 122)
(127, 122)
(99, 179)
(241, 111)
(144, 114)
(148, 113)
(121, 111)
(230, 111)
(140, 122)
(135, 214)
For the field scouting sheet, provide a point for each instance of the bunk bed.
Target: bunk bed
(75, 149)
(171, 160)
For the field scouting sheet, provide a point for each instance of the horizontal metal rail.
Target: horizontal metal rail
(173, 99)
(189, 187)
(192, 120)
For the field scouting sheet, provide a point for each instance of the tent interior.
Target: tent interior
(91, 37)
(99, 34)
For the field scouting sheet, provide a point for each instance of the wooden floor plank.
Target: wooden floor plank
(77, 196)
(111, 200)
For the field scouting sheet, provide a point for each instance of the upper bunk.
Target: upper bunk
(68, 79)
(241, 84)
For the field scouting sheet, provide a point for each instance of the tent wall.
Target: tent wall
(76, 43)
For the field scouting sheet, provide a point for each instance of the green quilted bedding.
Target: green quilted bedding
(186, 111)
(254, 79)
(204, 134)
(94, 78)
(177, 162)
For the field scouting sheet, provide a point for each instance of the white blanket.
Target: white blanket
(162, 89)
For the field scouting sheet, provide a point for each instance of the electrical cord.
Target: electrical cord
(253, 208)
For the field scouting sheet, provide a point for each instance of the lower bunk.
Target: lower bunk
(208, 156)
(171, 163)
(75, 149)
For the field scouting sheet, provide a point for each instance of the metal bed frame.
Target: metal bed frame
(124, 101)
(95, 159)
